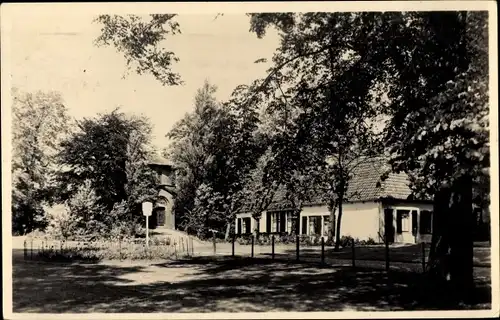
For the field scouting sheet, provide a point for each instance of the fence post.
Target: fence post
(423, 257)
(232, 245)
(214, 241)
(353, 254)
(120, 248)
(297, 245)
(25, 250)
(175, 249)
(31, 249)
(386, 255)
(272, 246)
(253, 240)
(192, 247)
(322, 250)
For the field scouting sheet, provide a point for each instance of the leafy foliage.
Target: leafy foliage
(139, 39)
(40, 121)
(326, 104)
(425, 71)
(214, 149)
(109, 156)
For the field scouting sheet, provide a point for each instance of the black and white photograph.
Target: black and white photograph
(250, 160)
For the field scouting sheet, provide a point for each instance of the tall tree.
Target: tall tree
(110, 152)
(40, 121)
(445, 92)
(326, 68)
(214, 147)
(432, 68)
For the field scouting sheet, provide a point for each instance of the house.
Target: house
(163, 216)
(374, 208)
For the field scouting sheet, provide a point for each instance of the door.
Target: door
(160, 217)
(389, 225)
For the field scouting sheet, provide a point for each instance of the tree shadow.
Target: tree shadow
(224, 284)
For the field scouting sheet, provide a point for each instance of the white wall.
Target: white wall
(360, 220)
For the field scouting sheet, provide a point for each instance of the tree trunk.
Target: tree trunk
(451, 254)
(331, 230)
(339, 220)
(228, 231)
(256, 229)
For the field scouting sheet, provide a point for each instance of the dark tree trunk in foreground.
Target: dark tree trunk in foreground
(451, 254)
(228, 231)
(339, 221)
(331, 230)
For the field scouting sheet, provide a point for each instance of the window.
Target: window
(326, 225)
(315, 225)
(239, 226)
(425, 221)
(274, 221)
(304, 225)
(246, 225)
(403, 221)
(282, 222)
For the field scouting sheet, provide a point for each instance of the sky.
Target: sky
(56, 53)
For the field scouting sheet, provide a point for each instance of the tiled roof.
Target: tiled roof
(365, 185)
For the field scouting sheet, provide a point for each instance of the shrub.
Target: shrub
(244, 239)
(371, 242)
(130, 249)
(346, 241)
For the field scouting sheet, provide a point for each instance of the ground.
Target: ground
(221, 284)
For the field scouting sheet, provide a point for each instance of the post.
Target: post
(353, 255)
(147, 209)
(423, 257)
(214, 241)
(232, 245)
(386, 255)
(253, 238)
(297, 244)
(25, 250)
(192, 247)
(31, 249)
(147, 231)
(322, 250)
(272, 246)
(120, 247)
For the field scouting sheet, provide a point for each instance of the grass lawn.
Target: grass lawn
(207, 284)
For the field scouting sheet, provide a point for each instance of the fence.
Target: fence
(389, 257)
(169, 247)
(407, 257)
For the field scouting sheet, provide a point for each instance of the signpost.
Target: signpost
(147, 209)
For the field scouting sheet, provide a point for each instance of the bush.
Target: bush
(265, 239)
(244, 239)
(131, 249)
(346, 241)
(370, 242)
